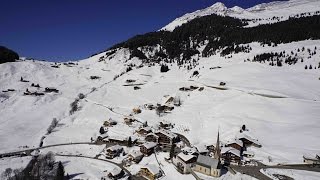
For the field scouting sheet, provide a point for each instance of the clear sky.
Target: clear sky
(61, 30)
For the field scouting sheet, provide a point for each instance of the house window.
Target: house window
(200, 168)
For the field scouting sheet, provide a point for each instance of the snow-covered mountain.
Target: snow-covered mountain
(278, 104)
(259, 14)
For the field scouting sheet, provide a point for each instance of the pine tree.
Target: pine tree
(60, 172)
(172, 150)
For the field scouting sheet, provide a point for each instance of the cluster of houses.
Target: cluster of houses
(210, 164)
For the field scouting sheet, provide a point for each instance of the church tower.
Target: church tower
(217, 149)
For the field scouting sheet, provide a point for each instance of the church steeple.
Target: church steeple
(217, 148)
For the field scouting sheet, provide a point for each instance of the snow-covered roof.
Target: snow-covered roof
(168, 133)
(152, 134)
(116, 137)
(311, 157)
(202, 148)
(135, 153)
(153, 168)
(185, 157)
(248, 153)
(189, 149)
(246, 136)
(235, 141)
(149, 145)
(115, 171)
(207, 161)
(230, 150)
(115, 148)
(148, 128)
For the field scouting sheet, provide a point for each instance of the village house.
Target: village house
(208, 166)
(236, 143)
(136, 110)
(147, 148)
(150, 172)
(151, 137)
(165, 125)
(248, 154)
(230, 155)
(166, 137)
(135, 156)
(116, 173)
(144, 130)
(129, 120)
(312, 159)
(248, 141)
(113, 151)
(183, 162)
(110, 123)
(117, 139)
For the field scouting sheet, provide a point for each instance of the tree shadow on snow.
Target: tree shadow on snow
(71, 176)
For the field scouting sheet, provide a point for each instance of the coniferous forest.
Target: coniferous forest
(221, 33)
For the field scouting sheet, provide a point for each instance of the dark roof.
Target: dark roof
(207, 161)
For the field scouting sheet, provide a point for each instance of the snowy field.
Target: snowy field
(295, 174)
(286, 127)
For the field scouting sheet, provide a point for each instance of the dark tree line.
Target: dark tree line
(7, 55)
(220, 32)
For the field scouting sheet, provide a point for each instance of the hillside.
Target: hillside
(271, 74)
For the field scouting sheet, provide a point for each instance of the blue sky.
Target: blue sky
(62, 30)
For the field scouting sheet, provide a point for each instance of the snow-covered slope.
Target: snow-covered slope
(259, 14)
(293, 119)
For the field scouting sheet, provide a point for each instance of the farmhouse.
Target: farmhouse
(113, 151)
(165, 125)
(151, 137)
(166, 137)
(150, 172)
(135, 156)
(248, 141)
(147, 148)
(311, 159)
(236, 143)
(230, 155)
(183, 162)
(129, 120)
(136, 110)
(144, 130)
(208, 166)
(116, 173)
(110, 123)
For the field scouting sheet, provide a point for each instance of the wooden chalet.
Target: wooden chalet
(315, 160)
(236, 143)
(147, 148)
(116, 173)
(166, 137)
(183, 162)
(151, 137)
(248, 141)
(135, 156)
(150, 172)
(144, 130)
(113, 151)
(110, 123)
(230, 155)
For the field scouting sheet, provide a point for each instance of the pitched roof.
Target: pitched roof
(230, 150)
(168, 133)
(153, 168)
(185, 157)
(235, 141)
(115, 171)
(207, 161)
(115, 148)
(145, 128)
(135, 153)
(245, 136)
(149, 145)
